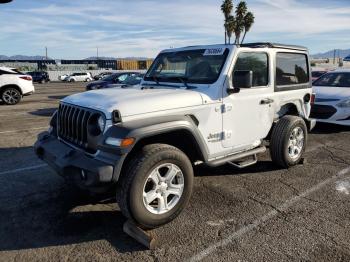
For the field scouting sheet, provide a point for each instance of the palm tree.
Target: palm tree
(248, 23)
(226, 8)
(241, 11)
(230, 27)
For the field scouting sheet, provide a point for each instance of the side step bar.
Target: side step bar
(231, 158)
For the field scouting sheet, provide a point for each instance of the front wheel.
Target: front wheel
(11, 96)
(288, 141)
(157, 186)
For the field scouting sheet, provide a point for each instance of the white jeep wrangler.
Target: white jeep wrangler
(207, 105)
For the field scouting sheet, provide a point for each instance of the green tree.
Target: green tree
(226, 8)
(241, 22)
(230, 27)
(241, 11)
(248, 23)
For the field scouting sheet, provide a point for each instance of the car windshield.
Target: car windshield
(317, 73)
(111, 77)
(133, 80)
(334, 79)
(201, 66)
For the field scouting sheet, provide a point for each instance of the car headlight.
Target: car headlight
(344, 104)
(101, 123)
(96, 124)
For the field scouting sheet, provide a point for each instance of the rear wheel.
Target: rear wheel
(288, 141)
(157, 186)
(11, 96)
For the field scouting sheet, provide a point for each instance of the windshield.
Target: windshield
(334, 79)
(201, 66)
(317, 73)
(111, 77)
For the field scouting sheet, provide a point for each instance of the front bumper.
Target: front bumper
(75, 165)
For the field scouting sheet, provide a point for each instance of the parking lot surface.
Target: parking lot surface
(261, 213)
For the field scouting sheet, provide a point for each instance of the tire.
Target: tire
(11, 96)
(71, 80)
(288, 141)
(137, 180)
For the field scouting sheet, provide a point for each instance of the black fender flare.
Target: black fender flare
(151, 127)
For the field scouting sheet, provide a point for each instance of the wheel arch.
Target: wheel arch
(10, 85)
(181, 132)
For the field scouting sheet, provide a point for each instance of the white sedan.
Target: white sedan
(332, 100)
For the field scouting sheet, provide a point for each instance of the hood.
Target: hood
(135, 101)
(331, 92)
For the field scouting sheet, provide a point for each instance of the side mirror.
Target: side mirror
(242, 79)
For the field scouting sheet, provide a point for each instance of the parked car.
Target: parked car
(208, 105)
(39, 77)
(63, 77)
(102, 75)
(317, 74)
(116, 78)
(332, 98)
(79, 77)
(131, 81)
(14, 85)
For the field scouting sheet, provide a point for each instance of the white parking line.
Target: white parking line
(22, 169)
(244, 230)
(23, 130)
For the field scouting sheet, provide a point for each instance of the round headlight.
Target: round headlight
(96, 124)
(101, 123)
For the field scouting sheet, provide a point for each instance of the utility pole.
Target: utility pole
(97, 52)
(46, 52)
(335, 51)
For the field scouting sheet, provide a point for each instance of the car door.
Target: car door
(248, 114)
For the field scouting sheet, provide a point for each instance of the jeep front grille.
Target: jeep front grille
(72, 124)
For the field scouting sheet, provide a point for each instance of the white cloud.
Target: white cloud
(142, 28)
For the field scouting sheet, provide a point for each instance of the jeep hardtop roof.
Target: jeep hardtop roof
(274, 45)
(248, 45)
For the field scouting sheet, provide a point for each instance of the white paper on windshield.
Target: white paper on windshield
(214, 51)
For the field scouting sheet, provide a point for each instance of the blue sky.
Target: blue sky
(122, 28)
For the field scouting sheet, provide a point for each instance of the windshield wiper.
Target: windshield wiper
(184, 81)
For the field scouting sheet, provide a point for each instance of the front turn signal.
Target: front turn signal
(126, 142)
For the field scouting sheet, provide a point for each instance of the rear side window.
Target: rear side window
(257, 63)
(291, 69)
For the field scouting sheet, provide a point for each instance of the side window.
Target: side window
(122, 78)
(291, 69)
(257, 63)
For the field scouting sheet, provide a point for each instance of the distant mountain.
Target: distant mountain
(339, 53)
(22, 57)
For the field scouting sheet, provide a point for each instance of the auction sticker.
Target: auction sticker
(214, 51)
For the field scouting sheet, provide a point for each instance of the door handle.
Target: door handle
(266, 101)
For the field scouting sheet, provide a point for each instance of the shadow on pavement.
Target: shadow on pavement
(325, 128)
(44, 112)
(39, 210)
